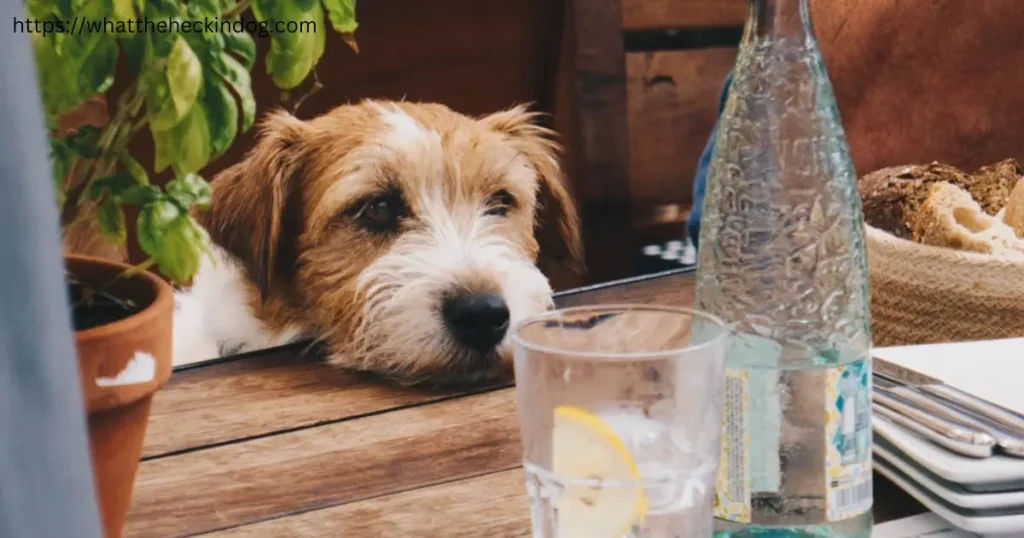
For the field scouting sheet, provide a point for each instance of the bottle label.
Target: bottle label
(749, 458)
(732, 488)
(848, 441)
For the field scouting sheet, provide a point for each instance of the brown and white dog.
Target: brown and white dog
(403, 236)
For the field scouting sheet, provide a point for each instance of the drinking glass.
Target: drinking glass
(620, 412)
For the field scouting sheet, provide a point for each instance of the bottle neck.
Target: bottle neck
(786, 21)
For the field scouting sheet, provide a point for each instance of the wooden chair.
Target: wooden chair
(636, 98)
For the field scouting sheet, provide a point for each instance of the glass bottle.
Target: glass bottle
(782, 259)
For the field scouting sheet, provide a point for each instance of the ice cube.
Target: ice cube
(675, 477)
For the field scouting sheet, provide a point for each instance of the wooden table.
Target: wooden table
(274, 444)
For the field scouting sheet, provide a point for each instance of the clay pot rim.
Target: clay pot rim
(164, 295)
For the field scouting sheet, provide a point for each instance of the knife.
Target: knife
(951, 415)
(941, 424)
(979, 451)
(1010, 421)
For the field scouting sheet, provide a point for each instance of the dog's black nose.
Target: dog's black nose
(476, 320)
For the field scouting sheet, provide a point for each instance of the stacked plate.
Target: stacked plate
(983, 496)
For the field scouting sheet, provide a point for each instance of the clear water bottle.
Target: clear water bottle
(782, 259)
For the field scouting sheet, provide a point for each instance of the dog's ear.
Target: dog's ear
(255, 211)
(558, 224)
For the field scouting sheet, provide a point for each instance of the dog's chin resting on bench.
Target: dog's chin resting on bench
(401, 236)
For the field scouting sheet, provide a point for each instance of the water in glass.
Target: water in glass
(620, 413)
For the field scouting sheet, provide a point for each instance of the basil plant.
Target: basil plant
(190, 89)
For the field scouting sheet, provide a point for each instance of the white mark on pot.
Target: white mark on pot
(141, 369)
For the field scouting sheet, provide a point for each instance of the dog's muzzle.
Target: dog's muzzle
(477, 321)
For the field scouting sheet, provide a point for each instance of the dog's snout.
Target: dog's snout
(476, 320)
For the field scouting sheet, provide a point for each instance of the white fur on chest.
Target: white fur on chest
(214, 316)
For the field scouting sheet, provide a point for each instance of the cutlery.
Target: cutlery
(1008, 420)
(940, 423)
(978, 451)
(1008, 443)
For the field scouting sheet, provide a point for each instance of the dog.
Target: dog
(402, 236)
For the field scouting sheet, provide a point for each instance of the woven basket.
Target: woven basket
(923, 294)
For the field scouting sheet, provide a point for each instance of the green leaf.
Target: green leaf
(134, 46)
(134, 168)
(140, 195)
(221, 115)
(162, 150)
(182, 249)
(292, 56)
(124, 10)
(172, 238)
(205, 8)
(85, 141)
(161, 44)
(189, 190)
(242, 45)
(61, 160)
(110, 218)
(154, 220)
(342, 14)
(237, 76)
(74, 67)
(185, 147)
(172, 95)
(114, 184)
(45, 9)
(159, 9)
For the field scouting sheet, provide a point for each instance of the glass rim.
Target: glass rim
(693, 313)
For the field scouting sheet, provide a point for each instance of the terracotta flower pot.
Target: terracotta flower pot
(122, 364)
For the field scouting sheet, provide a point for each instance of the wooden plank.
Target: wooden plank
(597, 72)
(492, 505)
(672, 14)
(676, 289)
(563, 119)
(260, 479)
(252, 396)
(247, 397)
(673, 107)
(446, 469)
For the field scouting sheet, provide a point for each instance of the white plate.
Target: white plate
(995, 526)
(948, 491)
(996, 472)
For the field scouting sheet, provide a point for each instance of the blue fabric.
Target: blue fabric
(700, 181)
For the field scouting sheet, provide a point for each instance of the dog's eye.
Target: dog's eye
(500, 203)
(382, 212)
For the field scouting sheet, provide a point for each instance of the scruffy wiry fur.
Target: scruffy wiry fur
(295, 260)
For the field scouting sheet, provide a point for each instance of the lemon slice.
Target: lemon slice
(585, 448)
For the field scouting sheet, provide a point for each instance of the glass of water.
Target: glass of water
(620, 410)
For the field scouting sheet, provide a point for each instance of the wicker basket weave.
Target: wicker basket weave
(924, 294)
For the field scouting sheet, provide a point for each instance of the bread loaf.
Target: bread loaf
(891, 195)
(1013, 214)
(950, 217)
(991, 185)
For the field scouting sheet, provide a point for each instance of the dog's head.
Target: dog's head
(402, 235)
